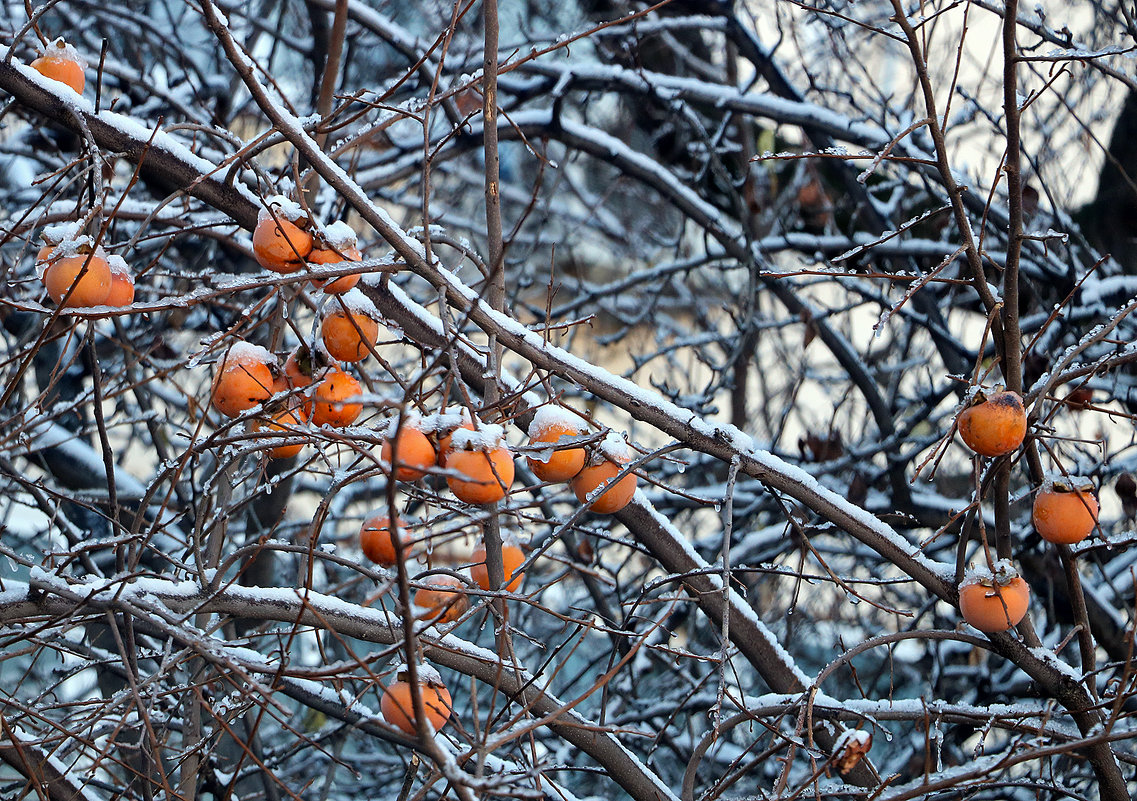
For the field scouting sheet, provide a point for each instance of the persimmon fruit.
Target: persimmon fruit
(398, 709)
(335, 244)
(995, 604)
(89, 273)
(447, 435)
(61, 63)
(242, 379)
(122, 283)
(348, 335)
(1065, 512)
(280, 243)
(443, 599)
(486, 475)
(377, 540)
(560, 465)
(303, 363)
(283, 423)
(415, 454)
(333, 402)
(993, 424)
(512, 558)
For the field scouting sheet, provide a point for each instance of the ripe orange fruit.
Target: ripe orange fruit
(454, 420)
(615, 497)
(377, 541)
(89, 272)
(443, 598)
(1065, 512)
(398, 709)
(993, 425)
(551, 426)
(511, 559)
(332, 404)
(242, 379)
(348, 335)
(415, 453)
(485, 463)
(280, 243)
(61, 62)
(336, 243)
(283, 423)
(304, 363)
(994, 605)
(339, 285)
(122, 283)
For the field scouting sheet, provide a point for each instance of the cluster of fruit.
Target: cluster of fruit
(316, 387)
(480, 465)
(285, 241)
(312, 387)
(1065, 511)
(79, 274)
(480, 470)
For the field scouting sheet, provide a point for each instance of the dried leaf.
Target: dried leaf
(850, 749)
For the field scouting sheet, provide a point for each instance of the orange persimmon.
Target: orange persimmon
(484, 462)
(334, 244)
(415, 453)
(1065, 511)
(348, 335)
(550, 425)
(512, 558)
(994, 604)
(377, 540)
(280, 243)
(242, 379)
(461, 420)
(333, 402)
(398, 709)
(443, 598)
(87, 270)
(993, 424)
(606, 463)
(62, 63)
(283, 423)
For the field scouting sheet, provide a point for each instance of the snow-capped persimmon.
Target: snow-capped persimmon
(993, 424)
(443, 599)
(994, 602)
(377, 540)
(550, 424)
(335, 244)
(242, 379)
(512, 557)
(283, 423)
(349, 336)
(122, 283)
(61, 62)
(484, 463)
(280, 242)
(597, 479)
(335, 399)
(446, 423)
(76, 263)
(398, 708)
(411, 449)
(1065, 511)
